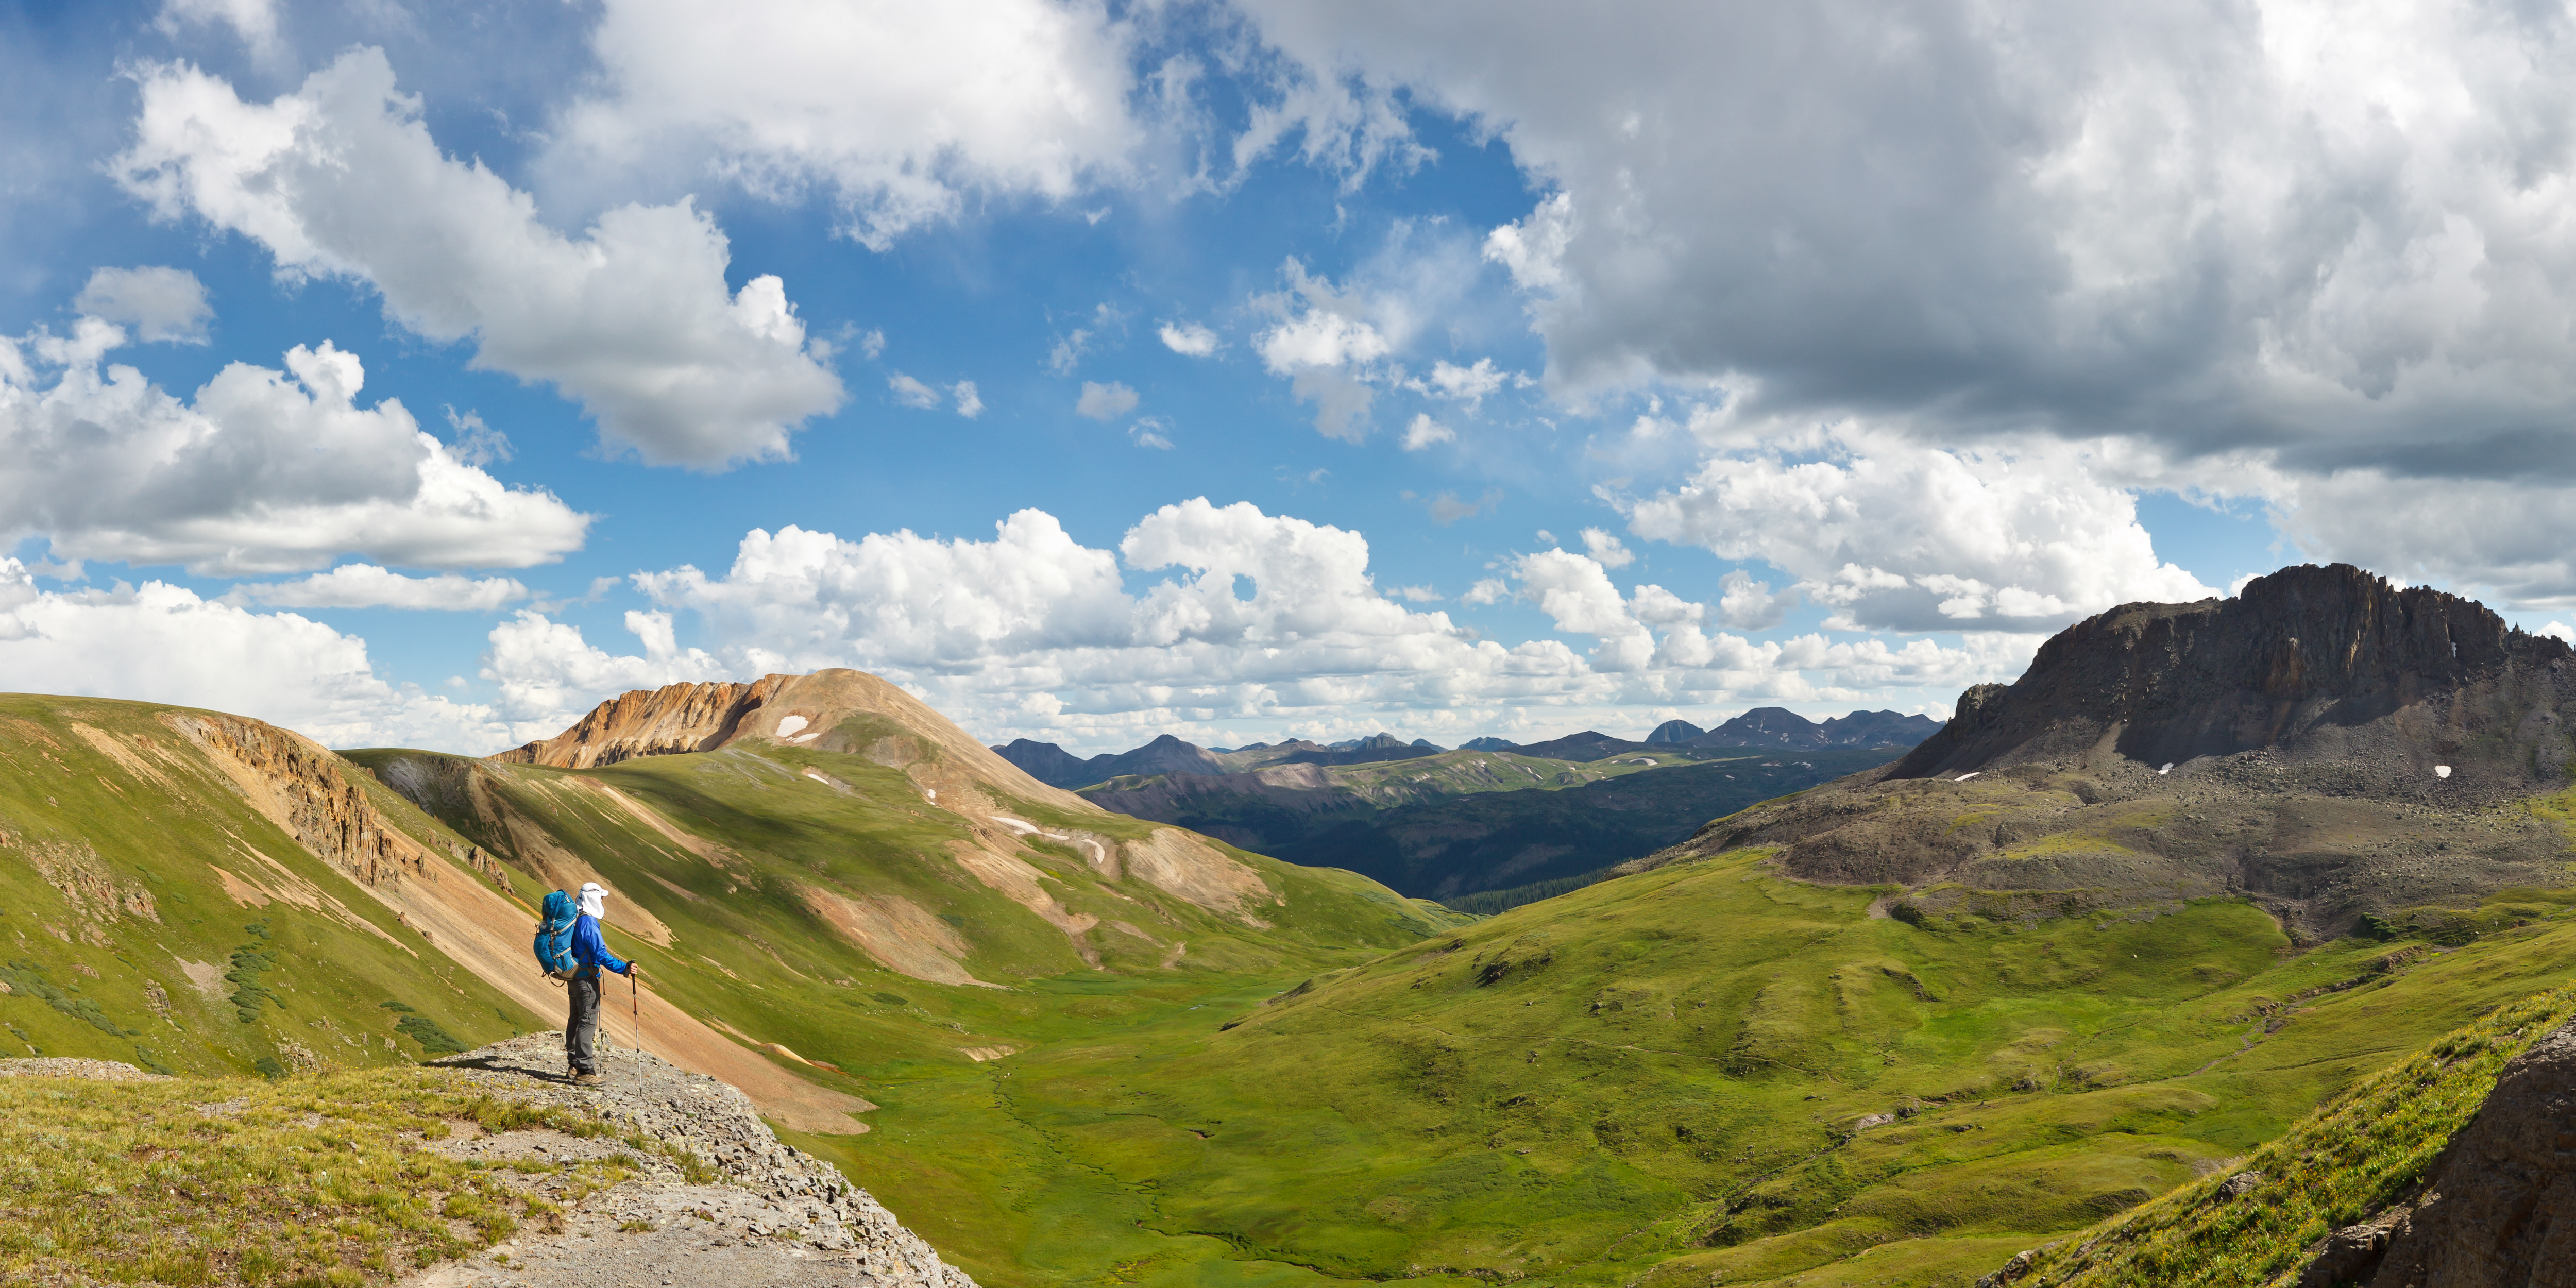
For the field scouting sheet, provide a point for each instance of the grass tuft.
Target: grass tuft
(249, 994)
(433, 1039)
(31, 978)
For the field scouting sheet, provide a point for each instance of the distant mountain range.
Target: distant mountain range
(1464, 822)
(1770, 728)
(1783, 728)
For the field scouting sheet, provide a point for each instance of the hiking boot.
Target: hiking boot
(587, 1080)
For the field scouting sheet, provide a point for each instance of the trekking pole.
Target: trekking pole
(635, 1009)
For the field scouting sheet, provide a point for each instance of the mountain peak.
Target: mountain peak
(829, 710)
(2322, 663)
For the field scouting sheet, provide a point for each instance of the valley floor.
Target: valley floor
(1704, 1074)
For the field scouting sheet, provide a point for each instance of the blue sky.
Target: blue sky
(1245, 370)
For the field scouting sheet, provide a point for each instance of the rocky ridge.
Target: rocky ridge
(835, 710)
(68, 1067)
(779, 1215)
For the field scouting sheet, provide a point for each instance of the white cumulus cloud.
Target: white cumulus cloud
(1327, 341)
(1104, 402)
(1896, 535)
(1469, 385)
(1607, 548)
(371, 586)
(264, 471)
(1746, 603)
(1425, 432)
(902, 110)
(162, 643)
(911, 392)
(1244, 615)
(2326, 239)
(549, 676)
(632, 318)
(161, 304)
(1189, 339)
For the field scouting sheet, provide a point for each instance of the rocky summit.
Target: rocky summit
(2329, 667)
(2324, 744)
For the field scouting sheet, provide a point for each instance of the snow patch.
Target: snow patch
(1024, 827)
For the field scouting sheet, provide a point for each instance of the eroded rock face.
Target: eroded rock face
(2500, 1205)
(2331, 662)
(301, 786)
(648, 722)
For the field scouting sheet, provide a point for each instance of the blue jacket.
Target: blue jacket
(590, 950)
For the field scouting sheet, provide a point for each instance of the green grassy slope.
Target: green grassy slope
(750, 953)
(2340, 1165)
(1662, 1078)
(149, 914)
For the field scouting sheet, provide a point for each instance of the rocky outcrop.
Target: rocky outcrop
(650, 722)
(302, 788)
(2499, 1206)
(2327, 663)
(774, 1207)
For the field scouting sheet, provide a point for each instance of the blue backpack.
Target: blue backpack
(554, 936)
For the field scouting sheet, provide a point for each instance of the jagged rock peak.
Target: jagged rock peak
(2320, 662)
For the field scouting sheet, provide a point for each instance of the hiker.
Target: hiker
(581, 1028)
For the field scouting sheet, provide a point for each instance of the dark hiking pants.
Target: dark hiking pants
(581, 1028)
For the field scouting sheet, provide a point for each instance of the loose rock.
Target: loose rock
(780, 1217)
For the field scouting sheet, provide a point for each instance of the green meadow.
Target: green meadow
(1664, 1079)
(1699, 1074)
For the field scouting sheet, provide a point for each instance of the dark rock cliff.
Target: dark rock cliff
(2328, 662)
